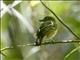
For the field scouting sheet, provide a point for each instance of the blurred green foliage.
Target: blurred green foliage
(8, 1)
(14, 33)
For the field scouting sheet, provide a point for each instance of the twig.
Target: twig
(44, 43)
(3, 54)
(53, 42)
(6, 48)
(59, 42)
(60, 21)
(3, 49)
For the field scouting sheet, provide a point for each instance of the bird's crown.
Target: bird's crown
(48, 18)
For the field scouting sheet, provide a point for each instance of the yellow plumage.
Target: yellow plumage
(47, 30)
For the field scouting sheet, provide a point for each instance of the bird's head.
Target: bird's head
(47, 18)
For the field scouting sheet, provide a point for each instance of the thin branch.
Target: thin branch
(52, 42)
(6, 48)
(60, 20)
(3, 54)
(59, 42)
(3, 49)
(71, 52)
(44, 43)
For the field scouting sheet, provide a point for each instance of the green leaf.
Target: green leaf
(5, 21)
(8, 1)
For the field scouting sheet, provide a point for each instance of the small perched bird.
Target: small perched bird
(47, 30)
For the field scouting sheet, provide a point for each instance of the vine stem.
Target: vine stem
(59, 42)
(43, 43)
(3, 54)
(60, 20)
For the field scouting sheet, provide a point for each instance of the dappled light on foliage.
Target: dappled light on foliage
(25, 32)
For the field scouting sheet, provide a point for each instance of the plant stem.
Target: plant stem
(55, 42)
(59, 42)
(3, 54)
(61, 21)
(44, 43)
(52, 42)
(6, 48)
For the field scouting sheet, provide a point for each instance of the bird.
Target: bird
(47, 30)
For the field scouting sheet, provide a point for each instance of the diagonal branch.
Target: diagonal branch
(60, 20)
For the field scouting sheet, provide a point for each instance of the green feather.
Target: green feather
(46, 30)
